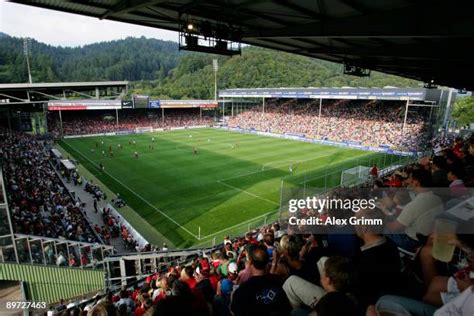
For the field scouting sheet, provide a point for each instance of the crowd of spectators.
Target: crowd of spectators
(85, 122)
(371, 123)
(113, 228)
(361, 271)
(40, 204)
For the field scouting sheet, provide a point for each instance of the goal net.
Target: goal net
(354, 176)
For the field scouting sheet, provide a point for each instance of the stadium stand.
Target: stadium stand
(39, 202)
(85, 122)
(371, 123)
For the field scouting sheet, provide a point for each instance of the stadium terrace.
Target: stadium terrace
(314, 201)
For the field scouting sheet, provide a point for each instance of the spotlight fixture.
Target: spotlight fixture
(356, 71)
(209, 37)
(430, 85)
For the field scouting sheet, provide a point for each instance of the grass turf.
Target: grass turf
(233, 179)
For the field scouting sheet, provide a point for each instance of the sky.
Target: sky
(65, 29)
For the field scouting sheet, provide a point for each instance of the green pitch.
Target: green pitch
(231, 180)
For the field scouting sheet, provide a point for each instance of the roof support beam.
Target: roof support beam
(398, 23)
(277, 42)
(291, 5)
(126, 6)
(395, 51)
(356, 5)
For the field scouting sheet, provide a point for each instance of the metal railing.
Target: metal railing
(52, 251)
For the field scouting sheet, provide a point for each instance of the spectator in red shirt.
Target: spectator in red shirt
(394, 181)
(187, 277)
(374, 172)
(144, 306)
(457, 148)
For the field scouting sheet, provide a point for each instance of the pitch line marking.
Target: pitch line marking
(127, 156)
(239, 224)
(271, 162)
(260, 171)
(140, 197)
(355, 158)
(258, 197)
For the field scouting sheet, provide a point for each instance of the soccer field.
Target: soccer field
(231, 180)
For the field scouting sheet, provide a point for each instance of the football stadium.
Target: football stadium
(209, 175)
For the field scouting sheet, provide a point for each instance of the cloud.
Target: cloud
(65, 29)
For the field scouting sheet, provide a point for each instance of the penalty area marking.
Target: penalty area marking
(141, 198)
(291, 162)
(344, 161)
(257, 196)
(239, 224)
(260, 171)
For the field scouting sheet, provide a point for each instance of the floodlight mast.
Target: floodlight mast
(27, 51)
(215, 66)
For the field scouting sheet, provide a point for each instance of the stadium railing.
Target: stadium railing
(29, 249)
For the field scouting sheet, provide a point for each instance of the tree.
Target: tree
(463, 112)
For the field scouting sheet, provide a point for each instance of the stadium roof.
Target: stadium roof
(61, 85)
(25, 93)
(423, 40)
(413, 94)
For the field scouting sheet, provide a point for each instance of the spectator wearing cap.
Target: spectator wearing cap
(225, 287)
(223, 298)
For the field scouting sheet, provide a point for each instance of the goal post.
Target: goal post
(354, 176)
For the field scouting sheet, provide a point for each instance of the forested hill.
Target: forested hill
(158, 69)
(128, 59)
